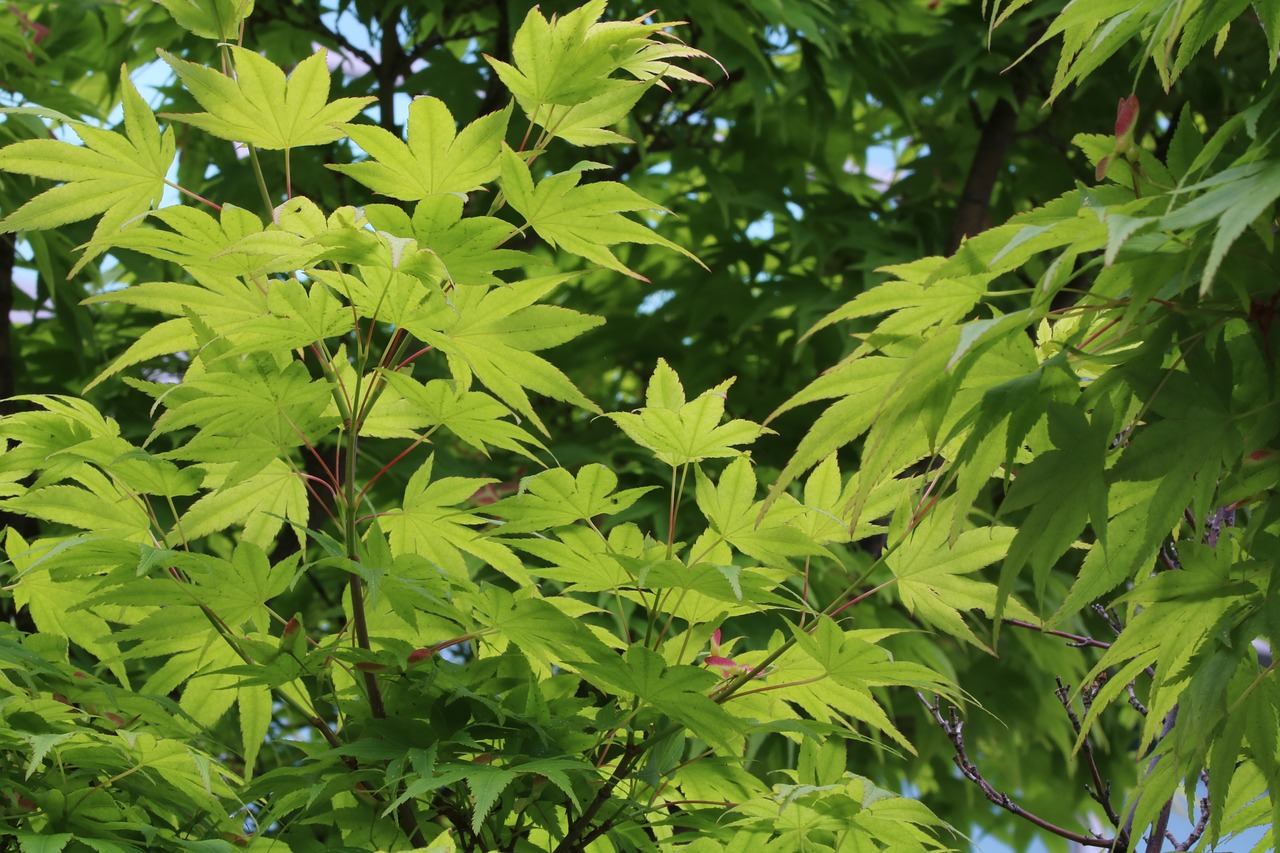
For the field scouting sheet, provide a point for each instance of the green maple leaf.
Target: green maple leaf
(556, 498)
(259, 502)
(118, 176)
(680, 432)
(436, 159)
(473, 416)
(933, 573)
(101, 506)
(679, 692)
(735, 516)
(580, 559)
(262, 108)
(298, 315)
(434, 525)
(255, 400)
(834, 672)
(566, 60)
(212, 19)
(585, 220)
(53, 604)
(238, 589)
(465, 246)
(222, 247)
(495, 336)
(562, 76)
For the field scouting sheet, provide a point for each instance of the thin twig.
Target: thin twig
(954, 730)
(1109, 617)
(1134, 701)
(1077, 640)
(1201, 824)
(1101, 791)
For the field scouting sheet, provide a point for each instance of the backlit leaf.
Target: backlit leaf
(260, 107)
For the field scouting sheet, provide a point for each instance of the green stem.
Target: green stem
(359, 618)
(262, 181)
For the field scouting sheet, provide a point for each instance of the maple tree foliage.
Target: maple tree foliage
(444, 472)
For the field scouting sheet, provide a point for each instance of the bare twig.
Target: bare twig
(1077, 640)
(1101, 791)
(1134, 701)
(954, 730)
(1109, 617)
(1201, 824)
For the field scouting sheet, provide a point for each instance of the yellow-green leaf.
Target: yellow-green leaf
(118, 175)
(436, 159)
(260, 107)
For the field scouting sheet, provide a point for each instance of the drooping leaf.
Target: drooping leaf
(211, 19)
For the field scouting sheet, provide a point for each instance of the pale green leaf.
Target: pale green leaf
(255, 705)
(556, 498)
(120, 176)
(260, 107)
(259, 503)
(932, 574)
(486, 783)
(584, 220)
(474, 417)
(211, 19)
(434, 523)
(437, 159)
(44, 842)
(687, 432)
(494, 335)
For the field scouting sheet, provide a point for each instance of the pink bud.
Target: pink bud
(727, 666)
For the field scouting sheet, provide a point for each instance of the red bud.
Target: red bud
(417, 656)
(1126, 115)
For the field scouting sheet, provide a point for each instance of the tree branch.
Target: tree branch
(1077, 640)
(999, 129)
(954, 730)
(579, 831)
(973, 209)
(1101, 791)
